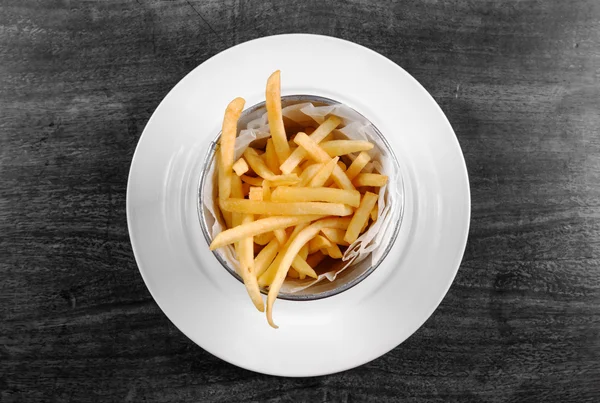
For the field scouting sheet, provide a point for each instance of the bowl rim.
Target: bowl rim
(208, 160)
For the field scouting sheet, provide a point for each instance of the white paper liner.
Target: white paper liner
(371, 244)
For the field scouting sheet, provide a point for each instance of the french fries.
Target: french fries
(273, 95)
(342, 147)
(375, 180)
(290, 204)
(320, 194)
(317, 136)
(240, 167)
(360, 217)
(227, 142)
(294, 208)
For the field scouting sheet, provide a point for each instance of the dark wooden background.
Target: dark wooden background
(518, 80)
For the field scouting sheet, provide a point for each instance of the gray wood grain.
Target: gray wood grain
(520, 83)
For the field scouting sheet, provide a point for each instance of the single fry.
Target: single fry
(265, 257)
(341, 165)
(357, 165)
(317, 136)
(303, 252)
(317, 243)
(271, 157)
(227, 144)
(291, 251)
(240, 167)
(365, 179)
(257, 164)
(374, 213)
(334, 251)
(292, 208)
(260, 226)
(342, 147)
(319, 155)
(237, 191)
(302, 267)
(250, 180)
(245, 254)
(273, 95)
(312, 148)
(293, 273)
(256, 193)
(320, 194)
(360, 217)
(263, 239)
(284, 180)
(308, 174)
(335, 236)
(267, 277)
(323, 174)
(280, 235)
(266, 186)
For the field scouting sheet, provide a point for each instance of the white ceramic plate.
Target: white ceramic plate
(315, 337)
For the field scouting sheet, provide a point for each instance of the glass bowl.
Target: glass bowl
(352, 275)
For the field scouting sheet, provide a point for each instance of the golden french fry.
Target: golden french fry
(317, 136)
(240, 167)
(365, 179)
(273, 95)
(343, 147)
(281, 236)
(341, 165)
(303, 268)
(334, 251)
(360, 217)
(335, 236)
(357, 165)
(256, 227)
(257, 164)
(323, 174)
(263, 239)
(250, 180)
(237, 191)
(374, 213)
(266, 186)
(227, 144)
(306, 164)
(320, 194)
(265, 257)
(271, 157)
(308, 174)
(227, 217)
(293, 273)
(303, 252)
(246, 258)
(293, 208)
(312, 148)
(267, 277)
(291, 251)
(256, 193)
(284, 180)
(317, 243)
(319, 155)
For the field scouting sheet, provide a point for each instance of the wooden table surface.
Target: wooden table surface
(518, 80)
